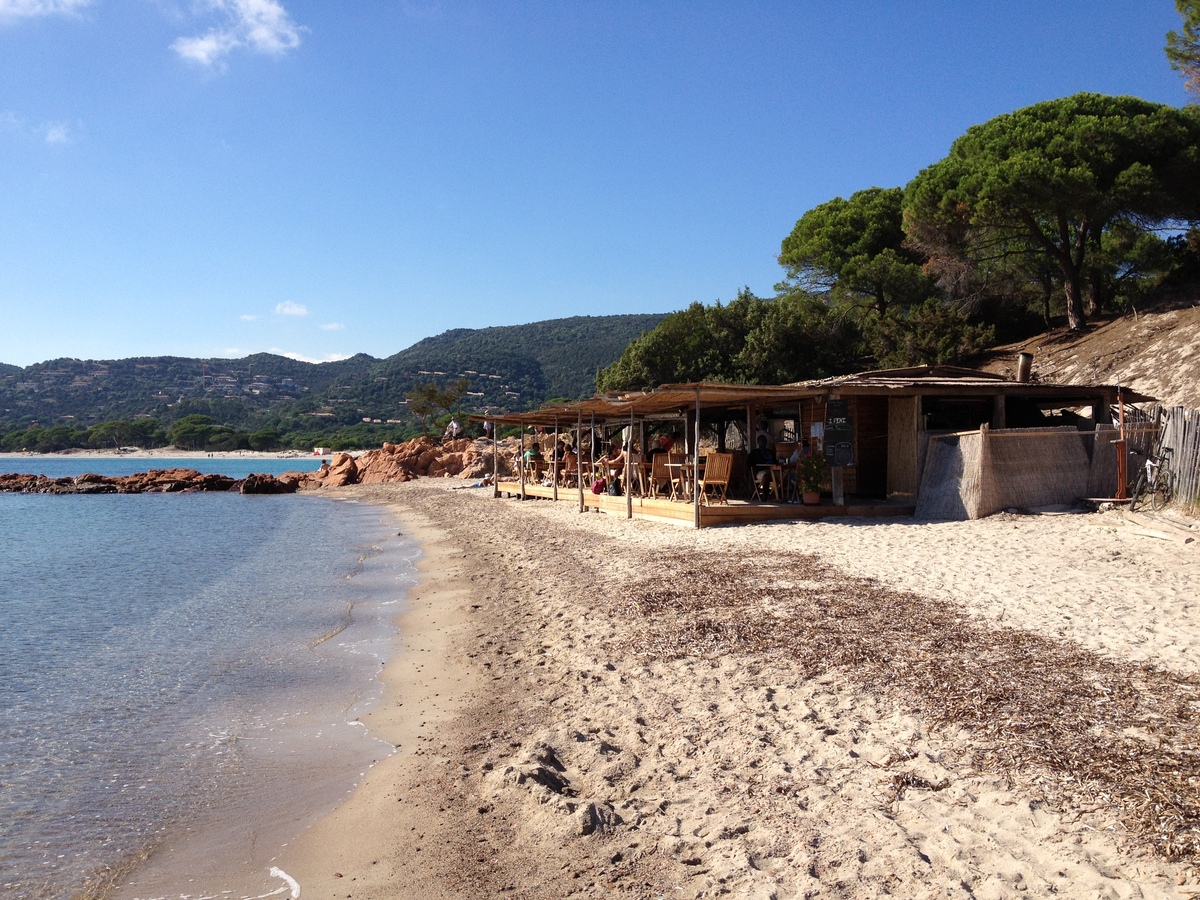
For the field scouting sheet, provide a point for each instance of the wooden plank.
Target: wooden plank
(1156, 524)
(1162, 535)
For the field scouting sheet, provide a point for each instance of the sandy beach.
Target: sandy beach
(591, 706)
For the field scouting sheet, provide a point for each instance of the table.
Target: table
(681, 478)
(780, 485)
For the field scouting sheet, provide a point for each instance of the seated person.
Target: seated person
(664, 445)
(802, 449)
(614, 463)
(760, 460)
(570, 461)
(534, 453)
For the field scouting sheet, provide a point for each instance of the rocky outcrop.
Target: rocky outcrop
(419, 458)
(288, 483)
(156, 481)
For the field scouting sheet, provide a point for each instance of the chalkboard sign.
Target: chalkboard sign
(839, 434)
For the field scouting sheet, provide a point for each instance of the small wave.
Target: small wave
(347, 621)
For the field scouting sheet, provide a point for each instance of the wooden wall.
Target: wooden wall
(902, 459)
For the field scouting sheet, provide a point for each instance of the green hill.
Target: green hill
(517, 366)
(510, 367)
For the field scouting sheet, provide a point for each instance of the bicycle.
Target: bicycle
(1153, 483)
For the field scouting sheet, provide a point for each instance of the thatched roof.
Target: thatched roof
(672, 400)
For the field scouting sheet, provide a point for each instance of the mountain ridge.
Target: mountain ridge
(511, 366)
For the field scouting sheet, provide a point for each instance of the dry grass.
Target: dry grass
(1100, 730)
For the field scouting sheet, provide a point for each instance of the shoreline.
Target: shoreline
(424, 691)
(307, 752)
(170, 454)
(566, 750)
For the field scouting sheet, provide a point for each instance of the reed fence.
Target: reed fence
(1179, 428)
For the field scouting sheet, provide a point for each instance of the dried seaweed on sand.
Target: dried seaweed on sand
(1090, 727)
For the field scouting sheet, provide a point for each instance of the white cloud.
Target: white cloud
(50, 133)
(248, 317)
(261, 26)
(288, 308)
(10, 10)
(300, 357)
(58, 133)
(333, 326)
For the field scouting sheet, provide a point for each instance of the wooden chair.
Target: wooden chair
(634, 474)
(677, 476)
(718, 468)
(569, 475)
(774, 480)
(660, 475)
(534, 470)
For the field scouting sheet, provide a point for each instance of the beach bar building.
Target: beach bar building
(938, 442)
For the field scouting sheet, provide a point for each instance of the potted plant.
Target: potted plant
(810, 475)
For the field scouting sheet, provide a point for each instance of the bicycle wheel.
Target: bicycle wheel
(1137, 495)
(1160, 494)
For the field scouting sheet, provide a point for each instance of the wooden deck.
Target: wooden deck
(736, 512)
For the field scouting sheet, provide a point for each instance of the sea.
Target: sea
(183, 679)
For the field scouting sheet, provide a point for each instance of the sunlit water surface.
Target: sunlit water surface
(180, 679)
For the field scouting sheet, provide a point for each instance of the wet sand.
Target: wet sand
(592, 706)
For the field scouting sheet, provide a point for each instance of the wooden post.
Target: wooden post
(495, 461)
(696, 466)
(642, 453)
(628, 470)
(999, 412)
(1122, 452)
(578, 460)
(554, 464)
(521, 459)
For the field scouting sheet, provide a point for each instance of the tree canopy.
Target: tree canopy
(750, 340)
(854, 248)
(1050, 179)
(1183, 46)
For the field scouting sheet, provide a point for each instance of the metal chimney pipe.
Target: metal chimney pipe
(1024, 366)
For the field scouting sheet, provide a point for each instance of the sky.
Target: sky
(319, 178)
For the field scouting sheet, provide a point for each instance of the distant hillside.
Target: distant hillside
(88, 391)
(1156, 352)
(520, 365)
(512, 367)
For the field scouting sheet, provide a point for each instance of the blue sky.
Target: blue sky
(319, 178)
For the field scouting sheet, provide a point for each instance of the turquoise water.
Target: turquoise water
(234, 467)
(180, 680)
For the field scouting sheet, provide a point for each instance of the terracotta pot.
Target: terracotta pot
(811, 498)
